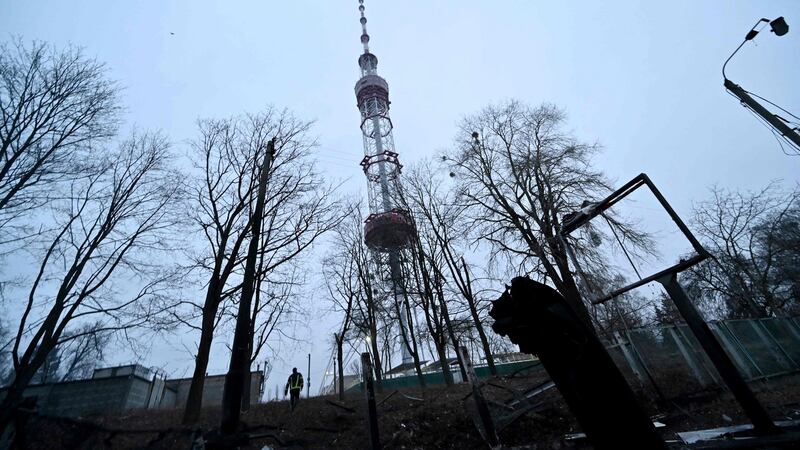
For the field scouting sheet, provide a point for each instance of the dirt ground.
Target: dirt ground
(431, 418)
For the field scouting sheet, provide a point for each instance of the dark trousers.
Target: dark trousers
(294, 398)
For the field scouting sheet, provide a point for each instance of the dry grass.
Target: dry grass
(443, 419)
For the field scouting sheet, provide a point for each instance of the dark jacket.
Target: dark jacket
(295, 381)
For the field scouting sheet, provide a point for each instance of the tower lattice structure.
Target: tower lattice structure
(389, 228)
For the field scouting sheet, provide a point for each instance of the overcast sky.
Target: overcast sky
(642, 78)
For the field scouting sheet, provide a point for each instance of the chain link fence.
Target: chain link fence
(669, 359)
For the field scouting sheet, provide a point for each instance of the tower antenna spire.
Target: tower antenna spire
(363, 20)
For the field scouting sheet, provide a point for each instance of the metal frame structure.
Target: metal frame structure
(668, 278)
(595, 209)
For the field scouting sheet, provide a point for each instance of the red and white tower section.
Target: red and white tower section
(388, 229)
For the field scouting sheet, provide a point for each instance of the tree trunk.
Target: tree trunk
(194, 400)
(30, 363)
(452, 334)
(414, 347)
(377, 355)
(569, 289)
(446, 374)
(14, 395)
(410, 340)
(487, 351)
(573, 297)
(473, 310)
(339, 359)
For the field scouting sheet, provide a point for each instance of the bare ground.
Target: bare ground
(434, 418)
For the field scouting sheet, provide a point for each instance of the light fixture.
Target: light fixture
(779, 26)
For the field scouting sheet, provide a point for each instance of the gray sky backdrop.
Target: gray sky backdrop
(642, 78)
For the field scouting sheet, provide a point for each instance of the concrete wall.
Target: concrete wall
(84, 397)
(116, 393)
(168, 398)
(212, 390)
(138, 393)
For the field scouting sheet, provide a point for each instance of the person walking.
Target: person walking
(293, 386)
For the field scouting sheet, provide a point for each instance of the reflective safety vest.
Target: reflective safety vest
(295, 381)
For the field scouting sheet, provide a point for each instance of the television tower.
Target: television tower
(388, 228)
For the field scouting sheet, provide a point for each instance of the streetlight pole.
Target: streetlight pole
(779, 27)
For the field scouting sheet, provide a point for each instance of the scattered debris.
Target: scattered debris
(323, 429)
(581, 436)
(484, 421)
(339, 405)
(574, 436)
(692, 437)
(505, 421)
(501, 405)
(549, 384)
(387, 398)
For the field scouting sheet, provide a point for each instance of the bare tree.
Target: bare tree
(50, 370)
(74, 359)
(626, 311)
(80, 356)
(755, 242)
(520, 173)
(104, 235)
(6, 341)
(369, 311)
(445, 218)
(344, 286)
(276, 306)
(401, 309)
(426, 290)
(299, 209)
(54, 106)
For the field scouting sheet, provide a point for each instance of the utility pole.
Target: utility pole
(308, 378)
(372, 410)
(240, 357)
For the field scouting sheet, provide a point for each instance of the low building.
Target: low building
(212, 389)
(349, 381)
(124, 388)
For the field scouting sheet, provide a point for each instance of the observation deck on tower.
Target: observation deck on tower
(389, 226)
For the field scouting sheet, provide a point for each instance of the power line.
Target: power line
(773, 104)
(769, 126)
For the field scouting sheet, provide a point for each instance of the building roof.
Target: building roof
(435, 365)
(402, 368)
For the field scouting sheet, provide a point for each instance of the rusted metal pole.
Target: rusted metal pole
(372, 410)
(762, 423)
